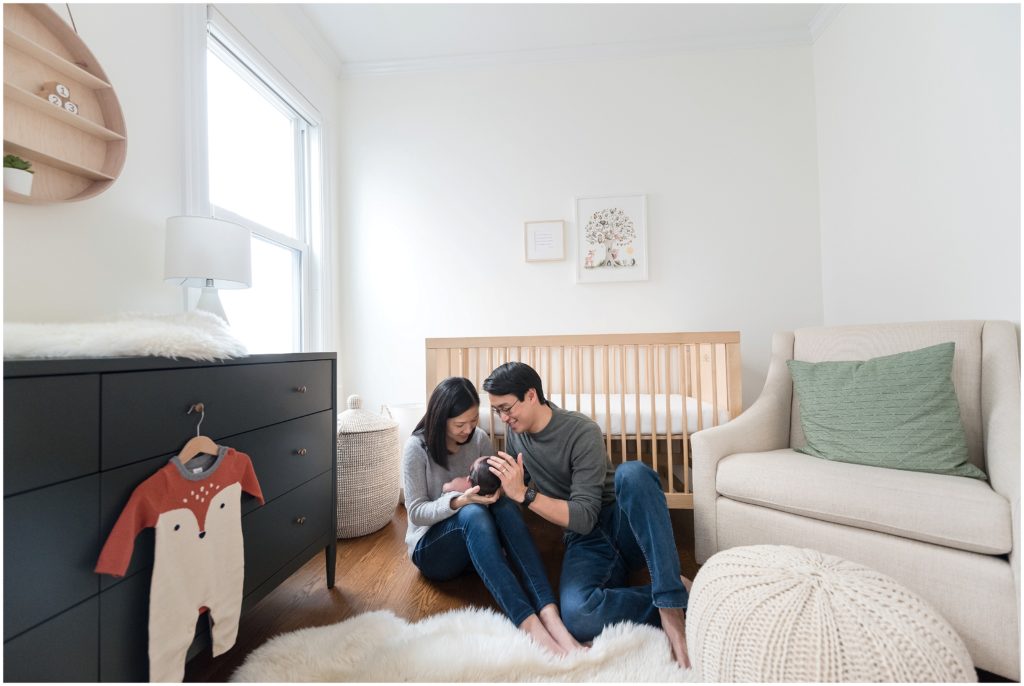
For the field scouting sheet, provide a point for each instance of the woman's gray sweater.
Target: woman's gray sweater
(423, 478)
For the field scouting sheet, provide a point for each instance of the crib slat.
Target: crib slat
(699, 367)
(547, 373)
(636, 397)
(577, 372)
(607, 402)
(734, 376)
(652, 363)
(593, 386)
(561, 366)
(668, 418)
(684, 370)
(622, 403)
(714, 384)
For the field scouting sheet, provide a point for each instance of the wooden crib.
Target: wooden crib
(647, 392)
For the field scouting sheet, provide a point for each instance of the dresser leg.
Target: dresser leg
(331, 553)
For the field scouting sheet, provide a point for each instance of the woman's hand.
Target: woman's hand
(510, 470)
(460, 484)
(471, 497)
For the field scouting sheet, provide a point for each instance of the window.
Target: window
(261, 158)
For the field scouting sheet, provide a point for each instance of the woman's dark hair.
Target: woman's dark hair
(450, 398)
(515, 378)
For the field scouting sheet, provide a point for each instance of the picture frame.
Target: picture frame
(611, 239)
(544, 240)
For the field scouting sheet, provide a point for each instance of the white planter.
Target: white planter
(17, 181)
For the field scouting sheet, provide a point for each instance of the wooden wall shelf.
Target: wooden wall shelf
(74, 155)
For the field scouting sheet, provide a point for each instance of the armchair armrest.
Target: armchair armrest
(1000, 413)
(763, 426)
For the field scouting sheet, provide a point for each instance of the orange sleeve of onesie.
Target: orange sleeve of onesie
(137, 515)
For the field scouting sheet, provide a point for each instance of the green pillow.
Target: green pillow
(898, 411)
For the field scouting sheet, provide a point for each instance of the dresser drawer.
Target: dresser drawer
(51, 430)
(145, 413)
(288, 454)
(60, 650)
(51, 541)
(281, 529)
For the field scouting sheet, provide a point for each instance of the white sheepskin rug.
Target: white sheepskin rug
(475, 644)
(193, 335)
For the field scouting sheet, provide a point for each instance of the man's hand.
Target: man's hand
(510, 470)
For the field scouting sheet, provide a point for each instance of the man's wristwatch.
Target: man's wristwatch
(531, 494)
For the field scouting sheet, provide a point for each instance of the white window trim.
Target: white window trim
(316, 311)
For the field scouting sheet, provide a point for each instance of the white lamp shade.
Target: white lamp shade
(200, 249)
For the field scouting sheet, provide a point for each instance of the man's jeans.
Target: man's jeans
(631, 532)
(495, 540)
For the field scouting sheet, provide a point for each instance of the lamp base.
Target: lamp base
(209, 301)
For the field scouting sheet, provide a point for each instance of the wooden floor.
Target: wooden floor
(374, 573)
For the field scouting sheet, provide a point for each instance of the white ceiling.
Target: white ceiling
(393, 37)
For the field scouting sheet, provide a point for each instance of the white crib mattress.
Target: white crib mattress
(582, 403)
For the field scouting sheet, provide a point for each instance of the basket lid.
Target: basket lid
(357, 420)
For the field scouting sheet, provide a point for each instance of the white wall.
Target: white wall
(918, 110)
(86, 260)
(96, 258)
(440, 170)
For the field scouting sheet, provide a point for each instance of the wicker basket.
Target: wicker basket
(368, 475)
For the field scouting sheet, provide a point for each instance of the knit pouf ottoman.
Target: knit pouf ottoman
(779, 613)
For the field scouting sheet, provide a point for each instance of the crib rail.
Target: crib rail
(623, 376)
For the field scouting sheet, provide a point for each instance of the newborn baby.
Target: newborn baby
(479, 475)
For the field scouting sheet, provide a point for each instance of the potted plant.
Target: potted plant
(17, 175)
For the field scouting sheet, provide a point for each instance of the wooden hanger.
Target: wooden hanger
(200, 444)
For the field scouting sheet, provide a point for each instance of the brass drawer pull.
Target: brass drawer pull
(301, 389)
(301, 451)
(300, 520)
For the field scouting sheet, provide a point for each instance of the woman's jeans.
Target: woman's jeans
(495, 540)
(632, 532)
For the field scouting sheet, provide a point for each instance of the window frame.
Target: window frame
(207, 28)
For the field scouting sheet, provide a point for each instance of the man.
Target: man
(615, 520)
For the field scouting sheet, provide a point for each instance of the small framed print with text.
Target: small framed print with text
(545, 240)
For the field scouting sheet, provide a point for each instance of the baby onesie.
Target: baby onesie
(199, 561)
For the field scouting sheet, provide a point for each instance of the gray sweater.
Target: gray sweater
(567, 460)
(422, 479)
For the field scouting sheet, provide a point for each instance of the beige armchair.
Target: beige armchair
(955, 541)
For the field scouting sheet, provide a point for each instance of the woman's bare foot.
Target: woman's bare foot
(552, 621)
(535, 629)
(673, 622)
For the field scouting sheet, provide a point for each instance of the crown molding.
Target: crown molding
(821, 20)
(765, 39)
(321, 46)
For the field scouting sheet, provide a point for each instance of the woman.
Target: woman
(449, 531)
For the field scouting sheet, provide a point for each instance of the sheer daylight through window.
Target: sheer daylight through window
(259, 176)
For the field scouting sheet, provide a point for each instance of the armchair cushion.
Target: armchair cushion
(956, 512)
(898, 411)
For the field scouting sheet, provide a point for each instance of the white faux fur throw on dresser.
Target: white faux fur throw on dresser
(473, 644)
(194, 335)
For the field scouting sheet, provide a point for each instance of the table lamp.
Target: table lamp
(207, 253)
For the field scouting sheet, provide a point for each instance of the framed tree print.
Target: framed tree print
(611, 239)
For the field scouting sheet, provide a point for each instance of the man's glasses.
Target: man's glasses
(504, 411)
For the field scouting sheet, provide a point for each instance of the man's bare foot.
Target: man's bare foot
(688, 583)
(535, 629)
(673, 622)
(552, 621)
